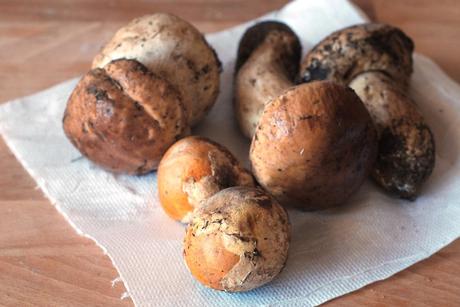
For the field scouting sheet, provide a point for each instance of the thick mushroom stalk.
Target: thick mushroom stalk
(407, 148)
(376, 61)
(267, 64)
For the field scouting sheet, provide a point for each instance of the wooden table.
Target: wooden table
(42, 42)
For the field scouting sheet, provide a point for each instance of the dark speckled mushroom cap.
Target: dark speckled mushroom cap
(349, 52)
(256, 35)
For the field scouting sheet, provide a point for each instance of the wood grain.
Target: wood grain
(42, 42)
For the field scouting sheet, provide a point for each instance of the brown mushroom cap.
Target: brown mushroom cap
(406, 154)
(347, 53)
(123, 117)
(173, 49)
(258, 34)
(267, 64)
(192, 170)
(314, 145)
(238, 240)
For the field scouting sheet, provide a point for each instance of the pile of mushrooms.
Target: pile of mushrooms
(318, 154)
(312, 144)
(317, 130)
(153, 81)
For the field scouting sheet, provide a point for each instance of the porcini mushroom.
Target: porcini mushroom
(313, 146)
(376, 61)
(192, 170)
(238, 240)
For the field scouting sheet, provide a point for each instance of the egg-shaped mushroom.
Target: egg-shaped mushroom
(314, 145)
(238, 240)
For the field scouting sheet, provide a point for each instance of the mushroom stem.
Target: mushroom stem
(267, 80)
(268, 58)
(406, 156)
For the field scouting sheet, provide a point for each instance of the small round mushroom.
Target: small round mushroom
(238, 240)
(376, 61)
(192, 170)
(173, 49)
(267, 64)
(124, 117)
(406, 157)
(314, 145)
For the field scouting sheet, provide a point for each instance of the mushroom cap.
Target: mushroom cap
(123, 117)
(238, 240)
(406, 154)
(348, 52)
(173, 49)
(314, 145)
(267, 64)
(258, 34)
(192, 170)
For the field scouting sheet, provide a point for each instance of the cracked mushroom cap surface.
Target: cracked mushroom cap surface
(314, 146)
(192, 170)
(346, 53)
(173, 49)
(238, 240)
(123, 117)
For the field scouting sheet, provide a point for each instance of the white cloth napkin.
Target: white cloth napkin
(332, 252)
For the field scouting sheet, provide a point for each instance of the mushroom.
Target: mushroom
(124, 117)
(173, 49)
(237, 240)
(314, 145)
(155, 79)
(376, 61)
(267, 64)
(192, 170)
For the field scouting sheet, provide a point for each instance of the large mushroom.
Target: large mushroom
(155, 79)
(314, 145)
(376, 61)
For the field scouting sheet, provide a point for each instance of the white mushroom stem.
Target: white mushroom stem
(261, 79)
(406, 155)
